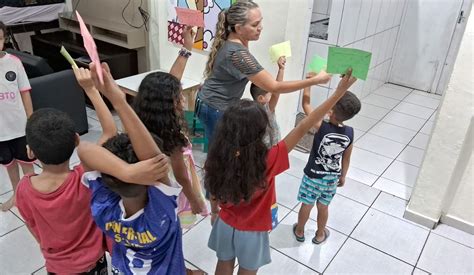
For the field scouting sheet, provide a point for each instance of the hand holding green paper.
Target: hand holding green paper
(341, 59)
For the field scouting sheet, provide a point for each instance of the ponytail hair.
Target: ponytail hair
(228, 18)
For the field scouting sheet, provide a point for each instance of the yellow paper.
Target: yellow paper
(68, 57)
(280, 49)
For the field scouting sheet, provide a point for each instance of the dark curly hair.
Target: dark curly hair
(347, 107)
(155, 104)
(51, 135)
(121, 146)
(236, 163)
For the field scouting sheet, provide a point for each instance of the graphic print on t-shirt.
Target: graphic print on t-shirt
(10, 76)
(330, 151)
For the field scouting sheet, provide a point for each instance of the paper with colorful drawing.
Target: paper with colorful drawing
(190, 17)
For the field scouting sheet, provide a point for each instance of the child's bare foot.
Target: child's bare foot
(194, 272)
(8, 204)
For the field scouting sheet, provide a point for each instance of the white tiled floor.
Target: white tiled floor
(368, 232)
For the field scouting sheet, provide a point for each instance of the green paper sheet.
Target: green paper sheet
(68, 57)
(317, 64)
(280, 49)
(341, 59)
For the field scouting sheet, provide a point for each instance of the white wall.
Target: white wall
(281, 22)
(445, 185)
(321, 9)
(420, 57)
(370, 25)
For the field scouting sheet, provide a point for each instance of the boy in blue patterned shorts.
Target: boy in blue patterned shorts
(327, 164)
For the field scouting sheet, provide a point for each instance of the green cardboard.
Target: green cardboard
(317, 64)
(341, 59)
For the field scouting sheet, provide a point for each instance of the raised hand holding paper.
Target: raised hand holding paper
(280, 49)
(317, 64)
(190, 17)
(90, 46)
(341, 59)
(68, 57)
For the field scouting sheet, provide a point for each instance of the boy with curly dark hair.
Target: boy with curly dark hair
(327, 165)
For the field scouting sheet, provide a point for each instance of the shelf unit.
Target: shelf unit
(110, 32)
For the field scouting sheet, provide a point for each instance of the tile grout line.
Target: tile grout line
(393, 160)
(378, 154)
(383, 252)
(32, 273)
(19, 217)
(378, 176)
(423, 248)
(288, 256)
(450, 239)
(11, 231)
(352, 231)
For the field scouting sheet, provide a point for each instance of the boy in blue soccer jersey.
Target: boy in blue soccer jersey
(140, 218)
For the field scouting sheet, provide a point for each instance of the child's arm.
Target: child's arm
(306, 102)
(145, 172)
(106, 120)
(26, 99)
(25, 89)
(346, 159)
(180, 171)
(142, 141)
(265, 81)
(180, 63)
(281, 72)
(318, 114)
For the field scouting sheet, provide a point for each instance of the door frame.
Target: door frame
(446, 70)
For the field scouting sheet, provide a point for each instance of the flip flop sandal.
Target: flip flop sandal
(326, 236)
(298, 238)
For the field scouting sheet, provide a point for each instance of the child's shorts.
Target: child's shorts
(317, 190)
(14, 149)
(251, 248)
(100, 268)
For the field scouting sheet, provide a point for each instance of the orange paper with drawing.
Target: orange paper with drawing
(190, 17)
(90, 46)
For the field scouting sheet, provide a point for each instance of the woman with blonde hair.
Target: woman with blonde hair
(231, 66)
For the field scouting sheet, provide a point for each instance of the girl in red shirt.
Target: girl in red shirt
(240, 176)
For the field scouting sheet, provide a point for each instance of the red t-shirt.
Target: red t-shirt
(62, 221)
(260, 213)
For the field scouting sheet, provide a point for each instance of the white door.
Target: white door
(424, 42)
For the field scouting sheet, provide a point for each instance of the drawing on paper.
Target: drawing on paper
(210, 10)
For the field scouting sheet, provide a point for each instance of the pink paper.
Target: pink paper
(90, 46)
(190, 17)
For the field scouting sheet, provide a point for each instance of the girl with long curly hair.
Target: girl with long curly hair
(240, 175)
(160, 106)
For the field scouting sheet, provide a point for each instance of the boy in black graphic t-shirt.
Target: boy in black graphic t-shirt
(327, 164)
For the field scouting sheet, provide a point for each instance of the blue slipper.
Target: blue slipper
(298, 238)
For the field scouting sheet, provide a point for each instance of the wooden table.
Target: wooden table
(130, 86)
